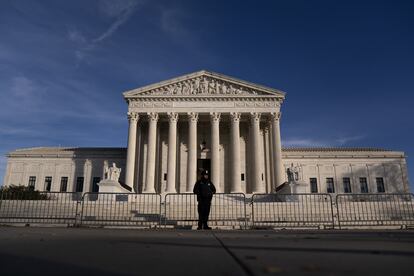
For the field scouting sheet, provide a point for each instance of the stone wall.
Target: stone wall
(312, 163)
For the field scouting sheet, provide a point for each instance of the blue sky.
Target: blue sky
(347, 66)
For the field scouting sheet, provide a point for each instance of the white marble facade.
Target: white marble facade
(207, 120)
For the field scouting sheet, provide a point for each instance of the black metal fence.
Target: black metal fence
(121, 209)
(292, 211)
(356, 210)
(226, 210)
(39, 207)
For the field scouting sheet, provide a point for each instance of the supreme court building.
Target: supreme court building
(208, 121)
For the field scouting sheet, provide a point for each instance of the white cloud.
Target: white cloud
(310, 142)
(22, 87)
(113, 8)
(121, 19)
(121, 10)
(346, 139)
(170, 22)
(301, 142)
(75, 36)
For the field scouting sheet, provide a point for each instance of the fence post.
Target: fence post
(252, 209)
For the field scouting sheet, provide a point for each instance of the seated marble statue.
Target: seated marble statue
(293, 173)
(113, 173)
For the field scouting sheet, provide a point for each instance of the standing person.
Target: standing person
(204, 189)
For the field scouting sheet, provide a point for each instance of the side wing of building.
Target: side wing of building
(61, 169)
(355, 170)
(335, 170)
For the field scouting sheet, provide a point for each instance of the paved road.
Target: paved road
(74, 251)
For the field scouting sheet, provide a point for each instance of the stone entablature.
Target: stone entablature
(203, 105)
(340, 153)
(69, 152)
(286, 152)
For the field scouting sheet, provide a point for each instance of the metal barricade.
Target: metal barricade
(362, 210)
(227, 210)
(39, 207)
(121, 209)
(292, 211)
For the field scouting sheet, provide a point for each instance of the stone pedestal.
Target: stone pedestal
(294, 187)
(111, 186)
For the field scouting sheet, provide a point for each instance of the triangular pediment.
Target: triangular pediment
(204, 83)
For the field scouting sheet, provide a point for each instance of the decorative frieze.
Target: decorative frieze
(205, 102)
(202, 85)
(204, 105)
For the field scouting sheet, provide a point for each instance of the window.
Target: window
(165, 176)
(32, 182)
(313, 185)
(330, 188)
(79, 184)
(364, 185)
(64, 184)
(95, 187)
(347, 185)
(242, 177)
(48, 183)
(380, 185)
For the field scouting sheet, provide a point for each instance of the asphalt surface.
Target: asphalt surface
(83, 251)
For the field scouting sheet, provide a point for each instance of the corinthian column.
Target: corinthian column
(277, 147)
(172, 152)
(215, 150)
(151, 153)
(235, 152)
(257, 168)
(192, 151)
(132, 138)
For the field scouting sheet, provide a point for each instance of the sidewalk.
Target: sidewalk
(80, 251)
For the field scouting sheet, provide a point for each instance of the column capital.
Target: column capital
(275, 116)
(193, 116)
(153, 116)
(173, 117)
(215, 116)
(235, 116)
(132, 116)
(255, 116)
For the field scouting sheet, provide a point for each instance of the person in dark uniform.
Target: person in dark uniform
(204, 189)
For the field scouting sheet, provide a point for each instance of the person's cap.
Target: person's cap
(205, 172)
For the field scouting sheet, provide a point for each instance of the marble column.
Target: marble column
(215, 150)
(172, 152)
(131, 152)
(277, 147)
(235, 153)
(267, 153)
(257, 186)
(151, 153)
(192, 151)
(272, 158)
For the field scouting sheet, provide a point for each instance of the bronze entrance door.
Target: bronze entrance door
(203, 164)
